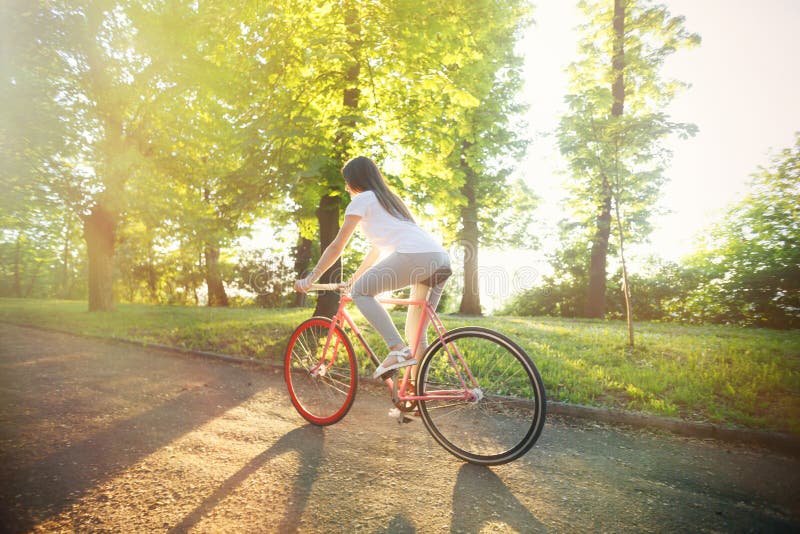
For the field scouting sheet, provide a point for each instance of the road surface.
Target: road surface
(103, 436)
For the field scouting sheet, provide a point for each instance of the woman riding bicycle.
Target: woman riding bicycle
(413, 258)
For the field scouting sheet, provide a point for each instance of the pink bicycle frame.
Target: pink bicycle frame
(399, 390)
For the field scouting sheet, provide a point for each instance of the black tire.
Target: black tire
(507, 420)
(322, 398)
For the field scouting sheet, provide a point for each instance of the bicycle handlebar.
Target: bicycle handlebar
(327, 287)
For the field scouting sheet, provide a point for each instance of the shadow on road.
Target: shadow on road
(308, 442)
(399, 524)
(481, 500)
(50, 485)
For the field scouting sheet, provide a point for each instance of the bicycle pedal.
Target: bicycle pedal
(399, 416)
(388, 374)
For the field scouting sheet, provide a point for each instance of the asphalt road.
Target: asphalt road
(102, 436)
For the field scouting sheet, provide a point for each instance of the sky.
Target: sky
(743, 97)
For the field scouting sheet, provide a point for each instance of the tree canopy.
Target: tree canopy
(142, 141)
(166, 128)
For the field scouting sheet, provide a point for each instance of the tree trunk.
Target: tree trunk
(618, 61)
(195, 283)
(216, 289)
(17, 266)
(34, 276)
(625, 286)
(302, 261)
(152, 275)
(470, 297)
(99, 230)
(100, 226)
(328, 219)
(618, 92)
(65, 278)
(328, 211)
(596, 301)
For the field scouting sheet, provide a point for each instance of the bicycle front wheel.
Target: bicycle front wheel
(320, 372)
(505, 414)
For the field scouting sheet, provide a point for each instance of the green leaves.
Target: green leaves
(750, 261)
(188, 120)
(622, 156)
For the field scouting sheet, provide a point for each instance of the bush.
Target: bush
(266, 275)
(553, 298)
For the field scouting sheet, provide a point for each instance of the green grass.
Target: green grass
(248, 332)
(726, 375)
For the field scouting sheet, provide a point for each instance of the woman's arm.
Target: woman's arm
(331, 253)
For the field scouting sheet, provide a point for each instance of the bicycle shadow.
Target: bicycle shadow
(481, 498)
(308, 442)
(399, 524)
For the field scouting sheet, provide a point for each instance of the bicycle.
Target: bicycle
(478, 393)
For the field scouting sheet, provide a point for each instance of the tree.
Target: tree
(104, 80)
(329, 203)
(201, 62)
(38, 231)
(301, 106)
(486, 141)
(613, 135)
(83, 59)
(748, 271)
(460, 154)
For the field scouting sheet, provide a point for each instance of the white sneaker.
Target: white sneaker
(395, 360)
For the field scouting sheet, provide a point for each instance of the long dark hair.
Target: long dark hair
(361, 174)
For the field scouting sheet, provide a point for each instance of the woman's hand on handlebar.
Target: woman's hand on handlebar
(303, 284)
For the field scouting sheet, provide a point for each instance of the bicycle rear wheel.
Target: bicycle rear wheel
(322, 383)
(506, 414)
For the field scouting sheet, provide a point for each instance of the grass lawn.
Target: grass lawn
(727, 375)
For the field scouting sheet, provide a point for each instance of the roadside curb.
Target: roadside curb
(779, 442)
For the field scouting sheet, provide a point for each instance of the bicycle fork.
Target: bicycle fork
(322, 366)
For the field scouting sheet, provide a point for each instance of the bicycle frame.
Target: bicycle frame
(398, 390)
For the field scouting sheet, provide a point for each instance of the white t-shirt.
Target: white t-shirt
(386, 231)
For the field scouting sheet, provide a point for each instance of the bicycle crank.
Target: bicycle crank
(404, 405)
